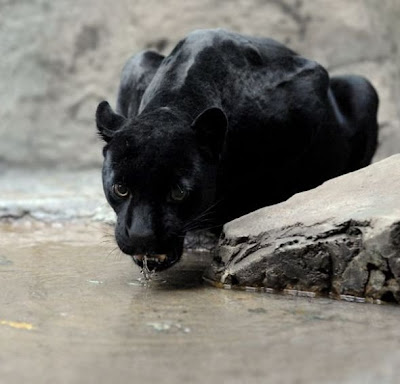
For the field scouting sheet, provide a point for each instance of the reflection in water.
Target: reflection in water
(94, 317)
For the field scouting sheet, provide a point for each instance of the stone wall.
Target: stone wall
(60, 58)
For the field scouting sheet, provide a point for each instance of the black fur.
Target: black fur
(232, 123)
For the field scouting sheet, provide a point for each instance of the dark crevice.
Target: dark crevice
(233, 280)
(350, 228)
(331, 273)
(232, 242)
(247, 252)
(395, 234)
(388, 297)
(388, 272)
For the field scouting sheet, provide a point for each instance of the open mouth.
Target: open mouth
(156, 262)
(151, 258)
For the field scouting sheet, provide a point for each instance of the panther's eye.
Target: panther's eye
(178, 193)
(121, 190)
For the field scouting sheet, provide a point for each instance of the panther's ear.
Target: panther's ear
(210, 127)
(107, 121)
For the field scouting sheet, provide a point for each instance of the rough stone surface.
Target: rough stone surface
(60, 58)
(342, 239)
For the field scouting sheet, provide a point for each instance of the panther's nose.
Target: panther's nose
(140, 231)
(143, 244)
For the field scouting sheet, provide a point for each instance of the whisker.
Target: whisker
(208, 209)
(198, 221)
(119, 253)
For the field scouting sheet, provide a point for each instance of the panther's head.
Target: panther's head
(159, 176)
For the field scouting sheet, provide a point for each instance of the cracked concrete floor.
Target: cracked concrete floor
(74, 310)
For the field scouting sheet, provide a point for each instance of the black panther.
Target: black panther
(224, 125)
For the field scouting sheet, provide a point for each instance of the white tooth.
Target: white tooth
(155, 258)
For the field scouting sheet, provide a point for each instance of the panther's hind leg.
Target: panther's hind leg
(135, 77)
(358, 103)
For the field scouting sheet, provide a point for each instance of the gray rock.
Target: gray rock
(341, 239)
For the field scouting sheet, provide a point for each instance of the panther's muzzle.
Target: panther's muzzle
(156, 262)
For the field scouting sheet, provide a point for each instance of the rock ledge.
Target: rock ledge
(341, 239)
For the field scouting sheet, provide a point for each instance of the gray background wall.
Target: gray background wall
(58, 59)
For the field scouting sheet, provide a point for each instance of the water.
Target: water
(74, 309)
(147, 273)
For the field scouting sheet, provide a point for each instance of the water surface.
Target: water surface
(73, 309)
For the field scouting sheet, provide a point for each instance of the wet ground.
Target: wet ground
(73, 310)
